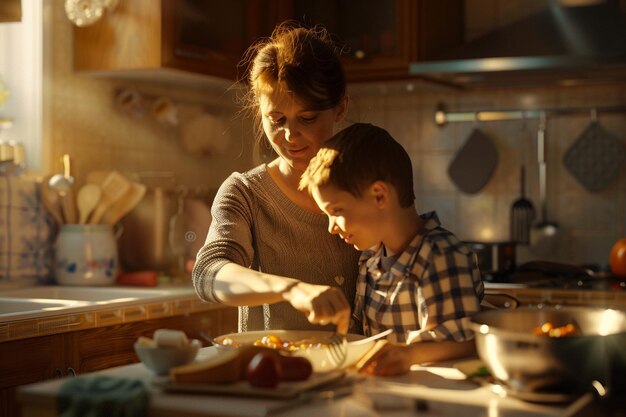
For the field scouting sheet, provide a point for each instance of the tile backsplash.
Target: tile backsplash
(80, 118)
(589, 223)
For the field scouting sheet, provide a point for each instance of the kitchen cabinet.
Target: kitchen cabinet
(10, 11)
(164, 38)
(159, 38)
(41, 358)
(379, 38)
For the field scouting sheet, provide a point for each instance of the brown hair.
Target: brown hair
(304, 60)
(358, 156)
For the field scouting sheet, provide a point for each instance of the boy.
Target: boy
(415, 277)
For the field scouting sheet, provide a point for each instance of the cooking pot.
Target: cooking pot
(317, 355)
(526, 363)
(495, 259)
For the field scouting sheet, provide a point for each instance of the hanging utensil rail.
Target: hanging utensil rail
(442, 116)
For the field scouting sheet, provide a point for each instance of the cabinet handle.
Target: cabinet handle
(186, 53)
(71, 371)
(58, 373)
(359, 54)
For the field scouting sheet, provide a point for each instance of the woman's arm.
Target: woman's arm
(237, 286)
(224, 271)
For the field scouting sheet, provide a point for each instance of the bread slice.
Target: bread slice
(223, 368)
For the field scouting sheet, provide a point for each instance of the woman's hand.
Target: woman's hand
(390, 359)
(322, 304)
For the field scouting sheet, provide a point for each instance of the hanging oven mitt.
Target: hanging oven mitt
(595, 157)
(474, 164)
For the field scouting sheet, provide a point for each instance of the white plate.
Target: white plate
(319, 356)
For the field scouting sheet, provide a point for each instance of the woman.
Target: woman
(268, 250)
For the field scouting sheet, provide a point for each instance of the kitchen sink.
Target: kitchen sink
(48, 300)
(94, 294)
(13, 305)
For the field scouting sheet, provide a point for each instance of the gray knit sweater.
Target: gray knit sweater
(255, 225)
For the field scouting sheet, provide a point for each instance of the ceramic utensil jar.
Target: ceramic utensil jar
(86, 255)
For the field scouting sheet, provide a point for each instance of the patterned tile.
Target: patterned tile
(135, 313)
(158, 310)
(109, 317)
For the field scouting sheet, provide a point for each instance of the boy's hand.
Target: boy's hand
(321, 303)
(388, 360)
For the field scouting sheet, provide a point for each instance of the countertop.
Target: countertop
(59, 309)
(437, 390)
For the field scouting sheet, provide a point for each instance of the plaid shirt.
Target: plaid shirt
(429, 292)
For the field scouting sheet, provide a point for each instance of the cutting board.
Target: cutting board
(284, 390)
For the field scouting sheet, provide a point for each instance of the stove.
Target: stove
(553, 275)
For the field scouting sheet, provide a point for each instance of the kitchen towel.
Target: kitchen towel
(102, 396)
(26, 232)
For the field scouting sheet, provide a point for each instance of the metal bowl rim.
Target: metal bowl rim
(476, 324)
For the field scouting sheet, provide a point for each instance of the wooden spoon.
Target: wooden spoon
(87, 200)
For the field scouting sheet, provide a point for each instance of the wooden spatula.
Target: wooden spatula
(114, 186)
(125, 204)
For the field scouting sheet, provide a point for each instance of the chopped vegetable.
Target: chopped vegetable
(481, 372)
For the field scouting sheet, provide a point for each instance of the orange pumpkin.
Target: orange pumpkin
(617, 260)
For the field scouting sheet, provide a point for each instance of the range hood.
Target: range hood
(560, 45)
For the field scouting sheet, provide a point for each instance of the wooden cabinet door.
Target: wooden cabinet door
(27, 361)
(380, 38)
(210, 37)
(199, 36)
(110, 346)
(374, 34)
(30, 360)
(129, 39)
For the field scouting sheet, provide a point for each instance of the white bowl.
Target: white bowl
(160, 359)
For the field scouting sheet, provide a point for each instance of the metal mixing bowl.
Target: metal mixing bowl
(525, 362)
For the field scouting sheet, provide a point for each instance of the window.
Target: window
(21, 69)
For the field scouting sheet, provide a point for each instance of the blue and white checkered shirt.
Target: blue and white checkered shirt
(428, 292)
